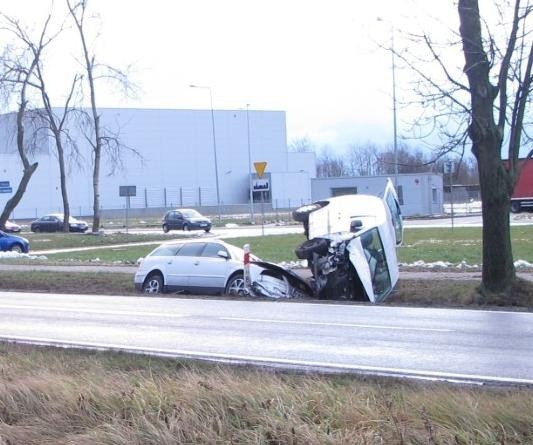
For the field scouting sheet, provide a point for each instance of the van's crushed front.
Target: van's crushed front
(351, 246)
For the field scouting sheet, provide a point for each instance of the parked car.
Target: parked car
(11, 227)
(351, 246)
(13, 243)
(185, 219)
(54, 223)
(213, 267)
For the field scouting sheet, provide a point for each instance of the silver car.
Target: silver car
(199, 266)
(214, 267)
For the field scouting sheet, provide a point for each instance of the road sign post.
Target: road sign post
(449, 167)
(127, 191)
(260, 170)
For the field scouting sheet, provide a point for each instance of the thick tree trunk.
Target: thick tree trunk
(487, 138)
(498, 268)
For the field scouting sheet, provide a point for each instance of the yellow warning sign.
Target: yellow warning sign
(260, 168)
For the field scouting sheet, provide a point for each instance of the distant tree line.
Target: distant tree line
(371, 160)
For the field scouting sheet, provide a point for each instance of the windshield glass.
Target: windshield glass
(379, 270)
(191, 213)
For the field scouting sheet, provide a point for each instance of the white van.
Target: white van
(351, 247)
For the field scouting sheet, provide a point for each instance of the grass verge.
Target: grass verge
(462, 244)
(426, 293)
(94, 397)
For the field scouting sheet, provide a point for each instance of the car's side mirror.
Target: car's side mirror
(356, 225)
(223, 254)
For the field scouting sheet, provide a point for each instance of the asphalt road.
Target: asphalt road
(443, 344)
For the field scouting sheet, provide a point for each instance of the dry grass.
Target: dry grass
(101, 398)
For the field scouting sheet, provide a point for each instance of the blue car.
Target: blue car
(13, 243)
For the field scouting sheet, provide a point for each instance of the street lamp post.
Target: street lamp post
(394, 111)
(250, 184)
(394, 126)
(214, 144)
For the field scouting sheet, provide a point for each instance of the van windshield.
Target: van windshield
(379, 270)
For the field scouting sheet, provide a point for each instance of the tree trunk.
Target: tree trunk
(63, 181)
(29, 169)
(21, 189)
(498, 268)
(498, 273)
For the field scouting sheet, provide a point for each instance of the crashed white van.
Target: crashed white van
(351, 247)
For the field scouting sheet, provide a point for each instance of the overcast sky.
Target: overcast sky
(319, 61)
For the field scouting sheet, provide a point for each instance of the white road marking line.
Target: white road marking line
(92, 311)
(349, 325)
(252, 359)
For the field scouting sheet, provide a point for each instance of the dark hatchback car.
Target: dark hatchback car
(54, 223)
(185, 219)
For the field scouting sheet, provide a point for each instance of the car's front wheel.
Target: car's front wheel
(165, 228)
(36, 229)
(153, 284)
(235, 285)
(186, 227)
(17, 248)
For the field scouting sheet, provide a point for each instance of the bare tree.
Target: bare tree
(98, 139)
(487, 112)
(301, 145)
(487, 134)
(330, 164)
(56, 124)
(17, 75)
(362, 160)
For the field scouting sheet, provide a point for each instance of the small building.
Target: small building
(420, 194)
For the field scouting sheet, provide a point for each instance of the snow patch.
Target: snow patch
(10, 255)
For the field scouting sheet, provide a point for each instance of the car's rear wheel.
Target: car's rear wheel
(153, 284)
(207, 230)
(17, 248)
(235, 285)
(165, 228)
(36, 229)
(186, 227)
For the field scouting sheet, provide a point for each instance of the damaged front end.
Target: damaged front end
(273, 281)
(351, 246)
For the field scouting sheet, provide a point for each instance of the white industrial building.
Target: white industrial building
(170, 159)
(420, 194)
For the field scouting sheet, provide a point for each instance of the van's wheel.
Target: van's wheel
(515, 207)
(235, 285)
(301, 214)
(314, 245)
(153, 284)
